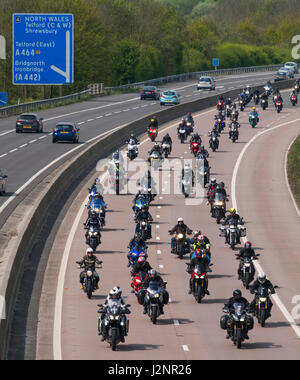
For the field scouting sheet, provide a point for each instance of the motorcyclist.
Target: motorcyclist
(141, 266)
(277, 97)
(254, 113)
(203, 151)
(246, 252)
(154, 277)
(236, 125)
(167, 139)
(261, 281)
(156, 148)
(138, 195)
(182, 228)
(202, 242)
(182, 125)
(196, 138)
(89, 261)
(97, 187)
(136, 243)
(188, 173)
(234, 113)
(237, 298)
(221, 189)
(233, 216)
(294, 93)
(114, 297)
(149, 183)
(264, 96)
(92, 221)
(228, 102)
(188, 118)
(198, 260)
(143, 214)
(195, 239)
(133, 139)
(153, 123)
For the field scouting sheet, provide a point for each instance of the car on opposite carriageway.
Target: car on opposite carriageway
(65, 131)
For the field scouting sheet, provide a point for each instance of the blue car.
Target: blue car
(65, 132)
(169, 97)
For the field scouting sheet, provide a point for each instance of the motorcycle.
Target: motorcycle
(137, 282)
(199, 282)
(262, 307)
(268, 90)
(294, 100)
(256, 99)
(89, 285)
(253, 120)
(152, 133)
(93, 238)
(132, 150)
(140, 203)
(214, 143)
(189, 126)
(195, 146)
(233, 232)
(115, 323)
(134, 255)
(228, 110)
(181, 245)
(238, 321)
(264, 104)
(203, 174)
(219, 125)
(155, 160)
(143, 229)
(220, 105)
(278, 106)
(182, 135)
(147, 192)
(233, 132)
(98, 206)
(186, 186)
(153, 300)
(166, 149)
(248, 271)
(219, 207)
(242, 104)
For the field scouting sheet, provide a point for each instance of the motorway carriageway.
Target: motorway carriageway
(187, 330)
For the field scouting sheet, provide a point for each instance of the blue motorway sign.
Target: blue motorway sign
(43, 48)
(3, 99)
(216, 62)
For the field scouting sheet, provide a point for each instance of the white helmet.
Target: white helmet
(262, 278)
(118, 290)
(180, 220)
(114, 292)
(89, 250)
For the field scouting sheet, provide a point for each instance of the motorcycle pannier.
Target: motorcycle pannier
(223, 322)
(222, 232)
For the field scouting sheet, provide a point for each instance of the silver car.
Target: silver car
(2, 182)
(292, 65)
(207, 83)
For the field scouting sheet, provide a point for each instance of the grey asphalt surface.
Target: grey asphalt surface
(24, 155)
(189, 330)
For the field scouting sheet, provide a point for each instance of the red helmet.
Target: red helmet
(248, 244)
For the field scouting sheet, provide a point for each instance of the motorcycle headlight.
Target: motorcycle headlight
(202, 277)
(242, 319)
(188, 124)
(196, 276)
(232, 227)
(143, 223)
(156, 295)
(97, 209)
(138, 281)
(263, 299)
(247, 265)
(219, 203)
(90, 233)
(180, 236)
(95, 233)
(89, 273)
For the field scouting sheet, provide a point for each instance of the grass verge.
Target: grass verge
(293, 169)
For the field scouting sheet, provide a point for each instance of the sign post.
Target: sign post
(2, 48)
(216, 63)
(43, 49)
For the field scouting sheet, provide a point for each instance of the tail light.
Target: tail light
(174, 97)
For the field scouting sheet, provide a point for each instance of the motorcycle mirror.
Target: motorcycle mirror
(276, 287)
(128, 305)
(100, 305)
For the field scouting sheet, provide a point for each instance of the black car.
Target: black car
(29, 122)
(150, 92)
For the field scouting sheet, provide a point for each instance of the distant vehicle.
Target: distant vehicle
(169, 97)
(65, 131)
(280, 75)
(206, 83)
(150, 92)
(29, 122)
(2, 182)
(290, 71)
(292, 65)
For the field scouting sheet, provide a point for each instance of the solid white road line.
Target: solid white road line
(259, 268)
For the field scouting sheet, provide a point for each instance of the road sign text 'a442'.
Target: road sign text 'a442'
(43, 49)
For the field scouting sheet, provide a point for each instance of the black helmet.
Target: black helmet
(222, 185)
(237, 294)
